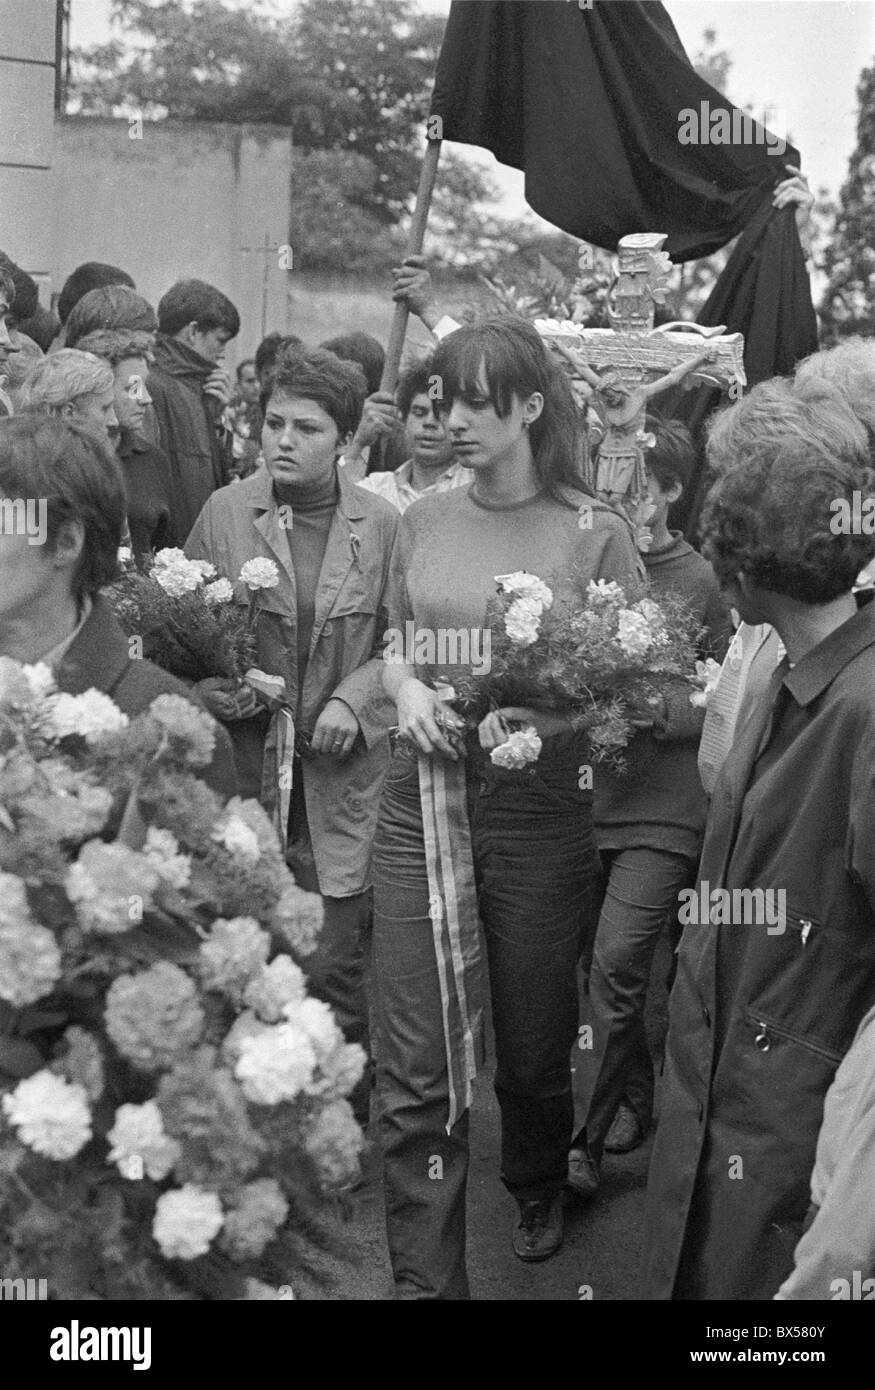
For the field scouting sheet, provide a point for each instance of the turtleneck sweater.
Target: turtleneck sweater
(313, 506)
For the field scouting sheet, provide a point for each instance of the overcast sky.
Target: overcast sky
(803, 56)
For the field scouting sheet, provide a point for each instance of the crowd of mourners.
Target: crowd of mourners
(404, 508)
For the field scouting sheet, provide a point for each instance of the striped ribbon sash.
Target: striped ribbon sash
(455, 923)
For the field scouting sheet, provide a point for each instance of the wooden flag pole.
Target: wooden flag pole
(415, 238)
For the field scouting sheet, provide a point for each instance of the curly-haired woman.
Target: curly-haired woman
(777, 962)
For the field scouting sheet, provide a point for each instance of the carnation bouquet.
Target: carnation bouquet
(173, 1119)
(190, 621)
(603, 663)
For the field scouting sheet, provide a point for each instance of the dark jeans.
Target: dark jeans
(641, 894)
(534, 865)
(336, 969)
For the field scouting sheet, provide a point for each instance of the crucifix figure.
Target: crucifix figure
(625, 366)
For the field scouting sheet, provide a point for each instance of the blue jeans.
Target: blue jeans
(534, 864)
(640, 896)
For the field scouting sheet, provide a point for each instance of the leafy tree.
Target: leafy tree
(351, 75)
(848, 304)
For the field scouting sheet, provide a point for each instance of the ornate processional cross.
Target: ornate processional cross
(627, 365)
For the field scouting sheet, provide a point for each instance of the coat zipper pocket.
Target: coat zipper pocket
(766, 1030)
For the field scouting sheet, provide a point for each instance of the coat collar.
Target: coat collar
(97, 658)
(341, 550)
(819, 667)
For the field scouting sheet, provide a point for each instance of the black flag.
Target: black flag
(590, 104)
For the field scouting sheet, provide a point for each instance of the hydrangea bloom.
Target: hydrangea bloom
(50, 1114)
(280, 983)
(110, 886)
(335, 1142)
(236, 951)
(186, 1221)
(260, 573)
(154, 1017)
(30, 961)
(92, 715)
(277, 1065)
(138, 1142)
(162, 851)
(258, 1212)
(519, 749)
(186, 722)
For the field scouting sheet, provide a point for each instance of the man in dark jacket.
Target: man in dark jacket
(190, 391)
(777, 961)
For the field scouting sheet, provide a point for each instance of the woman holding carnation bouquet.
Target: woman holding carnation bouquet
(459, 833)
(311, 555)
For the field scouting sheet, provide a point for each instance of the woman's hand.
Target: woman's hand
(226, 699)
(423, 719)
(336, 730)
(494, 728)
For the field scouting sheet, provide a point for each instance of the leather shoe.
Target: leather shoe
(626, 1132)
(539, 1233)
(583, 1173)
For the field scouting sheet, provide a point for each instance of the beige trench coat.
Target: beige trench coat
(242, 522)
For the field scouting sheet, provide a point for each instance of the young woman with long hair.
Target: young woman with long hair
(459, 837)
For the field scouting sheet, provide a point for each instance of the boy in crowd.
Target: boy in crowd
(243, 420)
(649, 824)
(189, 392)
(430, 466)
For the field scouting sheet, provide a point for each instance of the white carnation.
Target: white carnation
(186, 1221)
(633, 633)
(276, 985)
(605, 591)
(162, 851)
(526, 586)
(260, 574)
(220, 591)
(522, 621)
(51, 1115)
(239, 839)
(277, 1065)
(139, 1143)
(93, 715)
(520, 748)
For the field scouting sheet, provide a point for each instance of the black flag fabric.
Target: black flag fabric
(615, 130)
(763, 292)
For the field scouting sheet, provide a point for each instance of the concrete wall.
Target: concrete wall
(171, 200)
(184, 200)
(27, 87)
